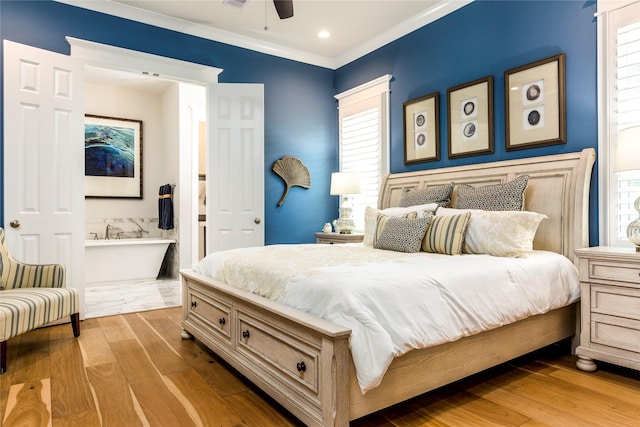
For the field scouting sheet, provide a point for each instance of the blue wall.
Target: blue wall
(483, 38)
(486, 38)
(300, 112)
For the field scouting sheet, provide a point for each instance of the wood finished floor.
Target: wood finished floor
(135, 370)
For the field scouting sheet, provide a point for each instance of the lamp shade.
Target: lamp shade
(345, 183)
(628, 151)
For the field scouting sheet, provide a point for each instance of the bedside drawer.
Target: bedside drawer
(616, 332)
(321, 241)
(337, 238)
(614, 271)
(280, 352)
(616, 301)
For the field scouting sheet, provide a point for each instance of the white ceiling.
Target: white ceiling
(357, 27)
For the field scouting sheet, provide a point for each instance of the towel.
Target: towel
(165, 208)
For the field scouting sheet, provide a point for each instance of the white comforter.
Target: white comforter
(394, 302)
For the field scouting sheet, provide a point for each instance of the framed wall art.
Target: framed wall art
(421, 129)
(535, 104)
(470, 118)
(112, 157)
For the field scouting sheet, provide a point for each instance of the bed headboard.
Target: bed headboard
(558, 187)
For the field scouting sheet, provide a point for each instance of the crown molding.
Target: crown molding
(121, 10)
(418, 21)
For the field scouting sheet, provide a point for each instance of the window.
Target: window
(619, 94)
(363, 117)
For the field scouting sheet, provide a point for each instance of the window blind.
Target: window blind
(360, 152)
(364, 138)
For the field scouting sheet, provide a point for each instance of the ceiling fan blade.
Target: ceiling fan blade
(284, 8)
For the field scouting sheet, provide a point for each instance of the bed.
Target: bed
(304, 362)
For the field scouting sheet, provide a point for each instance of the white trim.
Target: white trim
(202, 75)
(606, 137)
(369, 85)
(139, 62)
(605, 6)
(603, 128)
(443, 8)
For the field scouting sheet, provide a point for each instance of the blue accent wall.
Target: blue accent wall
(483, 38)
(487, 38)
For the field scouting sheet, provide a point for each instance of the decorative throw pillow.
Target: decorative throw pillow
(445, 234)
(502, 233)
(400, 234)
(371, 216)
(440, 195)
(500, 197)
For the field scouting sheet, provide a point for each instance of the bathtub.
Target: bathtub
(118, 260)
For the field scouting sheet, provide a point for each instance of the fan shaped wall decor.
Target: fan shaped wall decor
(293, 172)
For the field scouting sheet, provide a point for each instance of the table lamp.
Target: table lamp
(628, 159)
(345, 184)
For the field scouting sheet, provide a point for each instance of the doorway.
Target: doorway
(159, 69)
(170, 114)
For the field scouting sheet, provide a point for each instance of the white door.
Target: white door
(44, 158)
(235, 163)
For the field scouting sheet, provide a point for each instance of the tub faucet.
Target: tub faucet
(107, 232)
(140, 229)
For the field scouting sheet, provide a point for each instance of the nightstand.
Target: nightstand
(610, 307)
(336, 238)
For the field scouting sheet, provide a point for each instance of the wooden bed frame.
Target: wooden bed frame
(304, 363)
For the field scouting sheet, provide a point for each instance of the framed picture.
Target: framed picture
(470, 118)
(422, 129)
(112, 157)
(535, 104)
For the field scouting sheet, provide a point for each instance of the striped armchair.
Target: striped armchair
(32, 295)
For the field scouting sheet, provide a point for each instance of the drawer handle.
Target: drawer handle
(194, 304)
(245, 334)
(301, 367)
(222, 321)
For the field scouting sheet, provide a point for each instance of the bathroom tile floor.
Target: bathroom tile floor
(128, 297)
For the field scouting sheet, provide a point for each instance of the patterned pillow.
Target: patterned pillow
(440, 195)
(500, 197)
(505, 233)
(371, 217)
(445, 234)
(400, 234)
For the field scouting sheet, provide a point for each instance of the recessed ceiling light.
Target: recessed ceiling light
(324, 34)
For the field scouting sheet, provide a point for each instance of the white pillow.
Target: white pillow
(498, 233)
(371, 215)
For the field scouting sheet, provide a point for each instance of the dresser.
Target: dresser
(335, 238)
(610, 307)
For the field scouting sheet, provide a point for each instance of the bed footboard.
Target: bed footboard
(299, 360)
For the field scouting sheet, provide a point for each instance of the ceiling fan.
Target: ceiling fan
(283, 7)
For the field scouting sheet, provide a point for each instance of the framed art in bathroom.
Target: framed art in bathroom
(112, 157)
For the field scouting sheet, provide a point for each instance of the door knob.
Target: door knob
(256, 220)
(15, 223)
